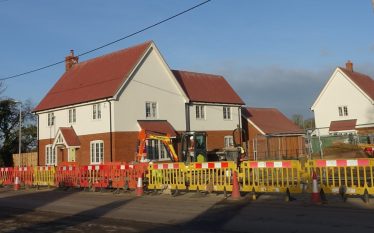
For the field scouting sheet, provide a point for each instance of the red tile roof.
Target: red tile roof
(93, 79)
(364, 82)
(343, 125)
(207, 88)
(158, 127)
(271, 121)
(70, 136)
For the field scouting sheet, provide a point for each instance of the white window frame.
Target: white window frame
(97, 152)
(227, 113)
(51, 119)
(228, 141)
(157, 147)
(96, 111)
(200, 112)
(72, 115)
(50, 155)
(343, 111)
(151, 110)
(340, 111)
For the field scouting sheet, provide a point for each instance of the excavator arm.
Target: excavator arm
(166, 141)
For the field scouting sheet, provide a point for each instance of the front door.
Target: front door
(71, 157)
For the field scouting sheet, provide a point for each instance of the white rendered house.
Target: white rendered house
(345, 104)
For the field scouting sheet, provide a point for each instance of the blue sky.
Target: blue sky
(274, 53)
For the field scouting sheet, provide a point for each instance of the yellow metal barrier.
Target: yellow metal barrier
(167, 175)
(271, 176)
(44, 176)
(348, 176)
(211, 176)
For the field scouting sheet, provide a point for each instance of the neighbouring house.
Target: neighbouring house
(213, 107)
(94, 113)
(271, 135)
(346, 104)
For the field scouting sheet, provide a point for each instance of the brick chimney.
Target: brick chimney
(349, 65)
(70, 60)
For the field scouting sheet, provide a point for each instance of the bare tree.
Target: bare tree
(9, 127)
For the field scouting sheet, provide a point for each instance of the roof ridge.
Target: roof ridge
(269, 108)
(194, 72)
(355, 72)
(114, 52)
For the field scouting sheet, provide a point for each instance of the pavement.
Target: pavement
(54, 210)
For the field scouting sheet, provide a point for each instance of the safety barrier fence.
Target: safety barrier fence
(350, 176)
(213, 176)
(271, 176)
(113, 175)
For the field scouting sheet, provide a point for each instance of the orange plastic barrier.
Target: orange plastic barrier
(25, 175)
(6, 176)
(121, 176)
(67, 175)
(94, 176)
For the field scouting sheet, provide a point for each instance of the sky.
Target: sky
(273, 53)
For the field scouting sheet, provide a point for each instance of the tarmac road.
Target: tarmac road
(72, 211)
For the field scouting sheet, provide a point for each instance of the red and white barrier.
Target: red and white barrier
(160, 166)
(211, 165)
(343, 163)
(271, 164)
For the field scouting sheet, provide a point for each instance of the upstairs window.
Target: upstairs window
(200, 112)
(343, 110)
(72, 115)
(150, 109)
(96, 111)
(226, 113)
(51, 119)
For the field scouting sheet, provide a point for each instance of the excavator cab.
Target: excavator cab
(193, 146)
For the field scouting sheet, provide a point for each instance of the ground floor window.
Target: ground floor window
(229, 141)
(50, 155)
(156, 150)
(97, 152)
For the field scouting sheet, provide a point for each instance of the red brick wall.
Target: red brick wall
(124, 146)
(274, 147)
(365, 131)
(215, 139)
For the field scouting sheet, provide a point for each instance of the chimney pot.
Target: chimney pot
(349, 65)
(70, 60)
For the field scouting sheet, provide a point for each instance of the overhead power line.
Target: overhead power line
(110, 43)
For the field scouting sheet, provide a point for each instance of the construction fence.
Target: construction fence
(347, 176)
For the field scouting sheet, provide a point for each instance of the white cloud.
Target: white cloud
(292, 91)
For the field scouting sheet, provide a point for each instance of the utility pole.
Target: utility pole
(19, 132)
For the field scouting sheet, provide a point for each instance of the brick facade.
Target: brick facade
(365, 131)
(124, 146)
(273, 147)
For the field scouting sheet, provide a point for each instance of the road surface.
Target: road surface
(73, 211)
